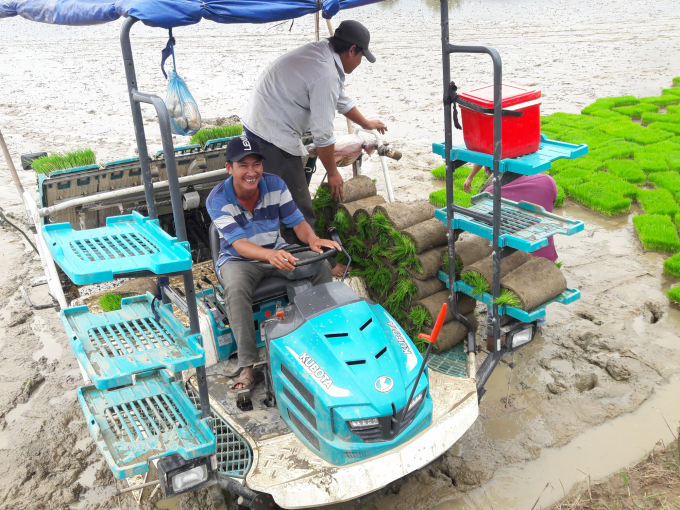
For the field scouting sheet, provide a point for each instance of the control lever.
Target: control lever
(204, 299)
(335, 237)
(431, 339)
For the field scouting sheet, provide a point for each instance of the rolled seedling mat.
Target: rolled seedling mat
(472, 249)
(485, 266)
(365, 205)
(404, 215)
(451, 334)
(433, 304)
(534, 283)
(430, 263)
(427, 288)
(427, 234)
(357, 188)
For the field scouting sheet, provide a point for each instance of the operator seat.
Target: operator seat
(269, 288)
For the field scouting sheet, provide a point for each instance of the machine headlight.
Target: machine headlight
(187, 479)
(416, 400)
(362, 424)
(522, 337)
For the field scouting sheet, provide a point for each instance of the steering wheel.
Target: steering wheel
(328, 253)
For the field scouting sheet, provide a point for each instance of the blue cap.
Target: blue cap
(240, 147)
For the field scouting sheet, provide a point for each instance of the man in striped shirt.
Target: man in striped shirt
(247, 209)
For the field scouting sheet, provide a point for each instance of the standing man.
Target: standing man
(302, 90)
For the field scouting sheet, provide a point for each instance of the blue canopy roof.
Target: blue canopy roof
(170, 13)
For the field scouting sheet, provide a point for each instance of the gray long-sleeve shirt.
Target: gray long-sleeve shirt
(300, 90)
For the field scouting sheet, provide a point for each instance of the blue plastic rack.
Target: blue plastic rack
(113, 346)
(531, 164)
(136, 424)
(524, 226)
(218, 143)
(567, 297)
(127, 245)
(186, 149)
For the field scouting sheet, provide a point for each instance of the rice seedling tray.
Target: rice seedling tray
(114, 346)
(185, 149)
(567, 297)
(531, 164)
(129, 244)
(452, 362)
(218, 143)
(524, 226)
(151, 419)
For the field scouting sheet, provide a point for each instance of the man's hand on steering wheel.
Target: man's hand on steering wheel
(282, 260)
(316, 243)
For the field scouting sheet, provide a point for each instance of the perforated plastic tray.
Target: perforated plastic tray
(186, 149)
(113, 346)
(218, 143)
(567, 297)
(524, 226)
(452, 362)
(128, 244)
(531, 164)
(137, 424)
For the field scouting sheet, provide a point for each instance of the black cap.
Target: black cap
(354, 32)
(240, 147)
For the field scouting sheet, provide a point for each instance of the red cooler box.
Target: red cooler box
(521, 135)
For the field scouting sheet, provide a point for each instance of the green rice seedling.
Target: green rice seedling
(404, 290)
(616, 149)
(608, 114)
(672, 117)
(665, 100)
(635, 112)
(445, 265)
(404, 247)
(363, 226)
(111, 302)
(572, 177)
(656, 233)
(64, 161)
(355, 247)
(379, 280)
(561, 195)
(508, 298)
(589, 162)
(559, 265)
(592, 137)
(439, 173)
(673, 162)
(342, 223)
(671, 266)
(666, 126)
(377, 252)
(438, 198)
(561, 165)
(673, 295)
(420, 317)
(676, 81)
(672, 91)
(341, 258)
(635, 133)
(666, 180)
(595, 196)
(673, 109)
(658, 201)
(382, 229)
(615, 184)
(321, 225)
(575, 121)
(626, 169)
(650, 163)
(607, 103)
(476, 281)
(207, 134)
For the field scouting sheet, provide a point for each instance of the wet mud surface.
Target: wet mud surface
(601, 367)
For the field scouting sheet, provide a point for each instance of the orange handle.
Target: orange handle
(437, 326)
(279, 315)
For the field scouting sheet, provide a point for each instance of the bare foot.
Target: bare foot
(338, 270)
(246, 374)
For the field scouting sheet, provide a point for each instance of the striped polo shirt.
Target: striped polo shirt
(233, 221)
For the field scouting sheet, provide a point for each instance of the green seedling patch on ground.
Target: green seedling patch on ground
(666, 126)
(635, 133)
(665, 100)
(626, 169)
(666, 180)
(650, 163)
(673, 109)
(615, 184)
(207, 134)
(597, 197)
(674, 295)
(608, 114)
(636, 111)
(672, 117)
(64, 161)
(656, 233)
(571, 178)
(561, 195)
(575, 121)
(658, 201)
(616, 149)
(671, 266)
(672, 91)
(607, 103)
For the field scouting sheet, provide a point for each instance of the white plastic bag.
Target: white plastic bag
(185, 118)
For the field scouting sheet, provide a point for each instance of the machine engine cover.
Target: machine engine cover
(336, 358)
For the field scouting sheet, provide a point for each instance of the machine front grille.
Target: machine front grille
(306, 394)
(298, 405)
(304, 430)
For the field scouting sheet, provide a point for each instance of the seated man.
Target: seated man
(247, 209)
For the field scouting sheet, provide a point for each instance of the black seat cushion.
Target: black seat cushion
(268, 288)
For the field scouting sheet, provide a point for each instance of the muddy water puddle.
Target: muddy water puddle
(51, 349)
(595, 453)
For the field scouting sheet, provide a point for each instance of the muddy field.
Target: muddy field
(589, 396)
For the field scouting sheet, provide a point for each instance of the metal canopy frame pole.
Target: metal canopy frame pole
(136, 98)
(492, 359)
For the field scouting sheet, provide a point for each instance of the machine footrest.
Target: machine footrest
(524, 226)
(113, 346)
(127, 245)
(567, 297)
(136, 424)
(531, 164)
(452, 362)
